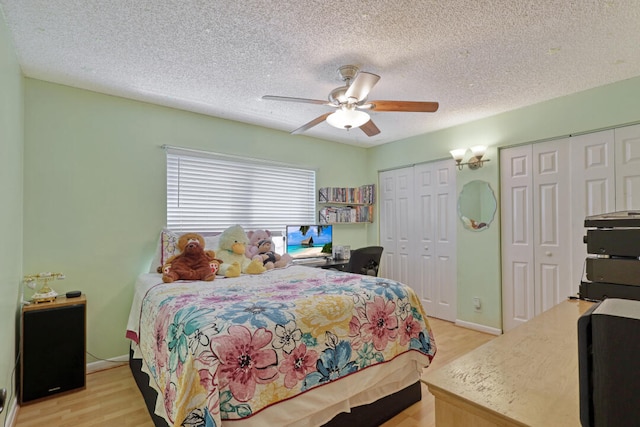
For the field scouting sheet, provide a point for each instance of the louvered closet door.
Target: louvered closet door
(551, 223)
(516, 193)
(592, 190)
(627, 141)
(435, 244)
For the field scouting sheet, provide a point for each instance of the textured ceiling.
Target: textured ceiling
(477, 58)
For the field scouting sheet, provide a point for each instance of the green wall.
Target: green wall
(94, 209)
(478, 253)
(95, 189)
(11, 146)
(94, 184)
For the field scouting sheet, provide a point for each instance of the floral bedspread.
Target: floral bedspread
(229, 348)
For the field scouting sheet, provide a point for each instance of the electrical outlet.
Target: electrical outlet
(3, 398)
(476, 303)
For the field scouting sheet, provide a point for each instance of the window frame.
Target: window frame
(255, 193)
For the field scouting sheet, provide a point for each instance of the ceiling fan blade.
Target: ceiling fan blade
(407, 106)
(290, 99)
(370, 128)
(361, 85)
(312, 123)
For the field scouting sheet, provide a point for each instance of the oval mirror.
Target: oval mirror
(476, 205)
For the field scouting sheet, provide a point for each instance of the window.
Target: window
(210, 192)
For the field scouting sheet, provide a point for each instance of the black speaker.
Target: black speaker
(53, 349)
(608, 364)
(602, 290)
(624, 242)
(625, 271)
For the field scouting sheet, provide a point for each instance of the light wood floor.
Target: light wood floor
(112, 397)
(452, 342)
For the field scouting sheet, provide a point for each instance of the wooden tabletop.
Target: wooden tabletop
(528, 376)
(60, 301)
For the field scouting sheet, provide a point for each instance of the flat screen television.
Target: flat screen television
(309, 241)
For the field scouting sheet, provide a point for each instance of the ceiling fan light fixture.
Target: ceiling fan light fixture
(338, 95)
(346, 118)
(352, 97)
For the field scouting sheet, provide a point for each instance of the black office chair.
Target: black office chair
(365, 260)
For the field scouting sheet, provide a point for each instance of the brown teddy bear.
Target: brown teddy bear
(192, 263)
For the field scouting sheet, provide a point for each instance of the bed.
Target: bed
(297, 346)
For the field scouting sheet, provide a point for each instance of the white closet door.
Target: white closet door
(426, 238)
(404, 220)
(570, 179)
(396, 217)
(387, 206)
(445, 225)
(552, 223)
(592, 190)
(516, 192)
(435, 238)
(627, 168)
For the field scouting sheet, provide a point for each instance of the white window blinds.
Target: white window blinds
(210, 192)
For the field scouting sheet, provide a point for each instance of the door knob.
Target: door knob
(548, 253)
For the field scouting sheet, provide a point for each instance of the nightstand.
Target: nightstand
(52, 348)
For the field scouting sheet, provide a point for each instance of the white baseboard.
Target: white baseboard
(101, 365)
(478, 327)
(12, 415)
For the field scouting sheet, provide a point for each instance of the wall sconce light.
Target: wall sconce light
(474, 162)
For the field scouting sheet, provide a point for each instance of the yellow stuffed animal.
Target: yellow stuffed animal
(231, 251)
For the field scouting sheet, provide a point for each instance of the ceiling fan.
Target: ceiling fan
(351, 98)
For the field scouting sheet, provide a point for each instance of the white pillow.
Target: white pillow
(168, 244)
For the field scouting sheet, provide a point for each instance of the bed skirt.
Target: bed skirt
(370, 415)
